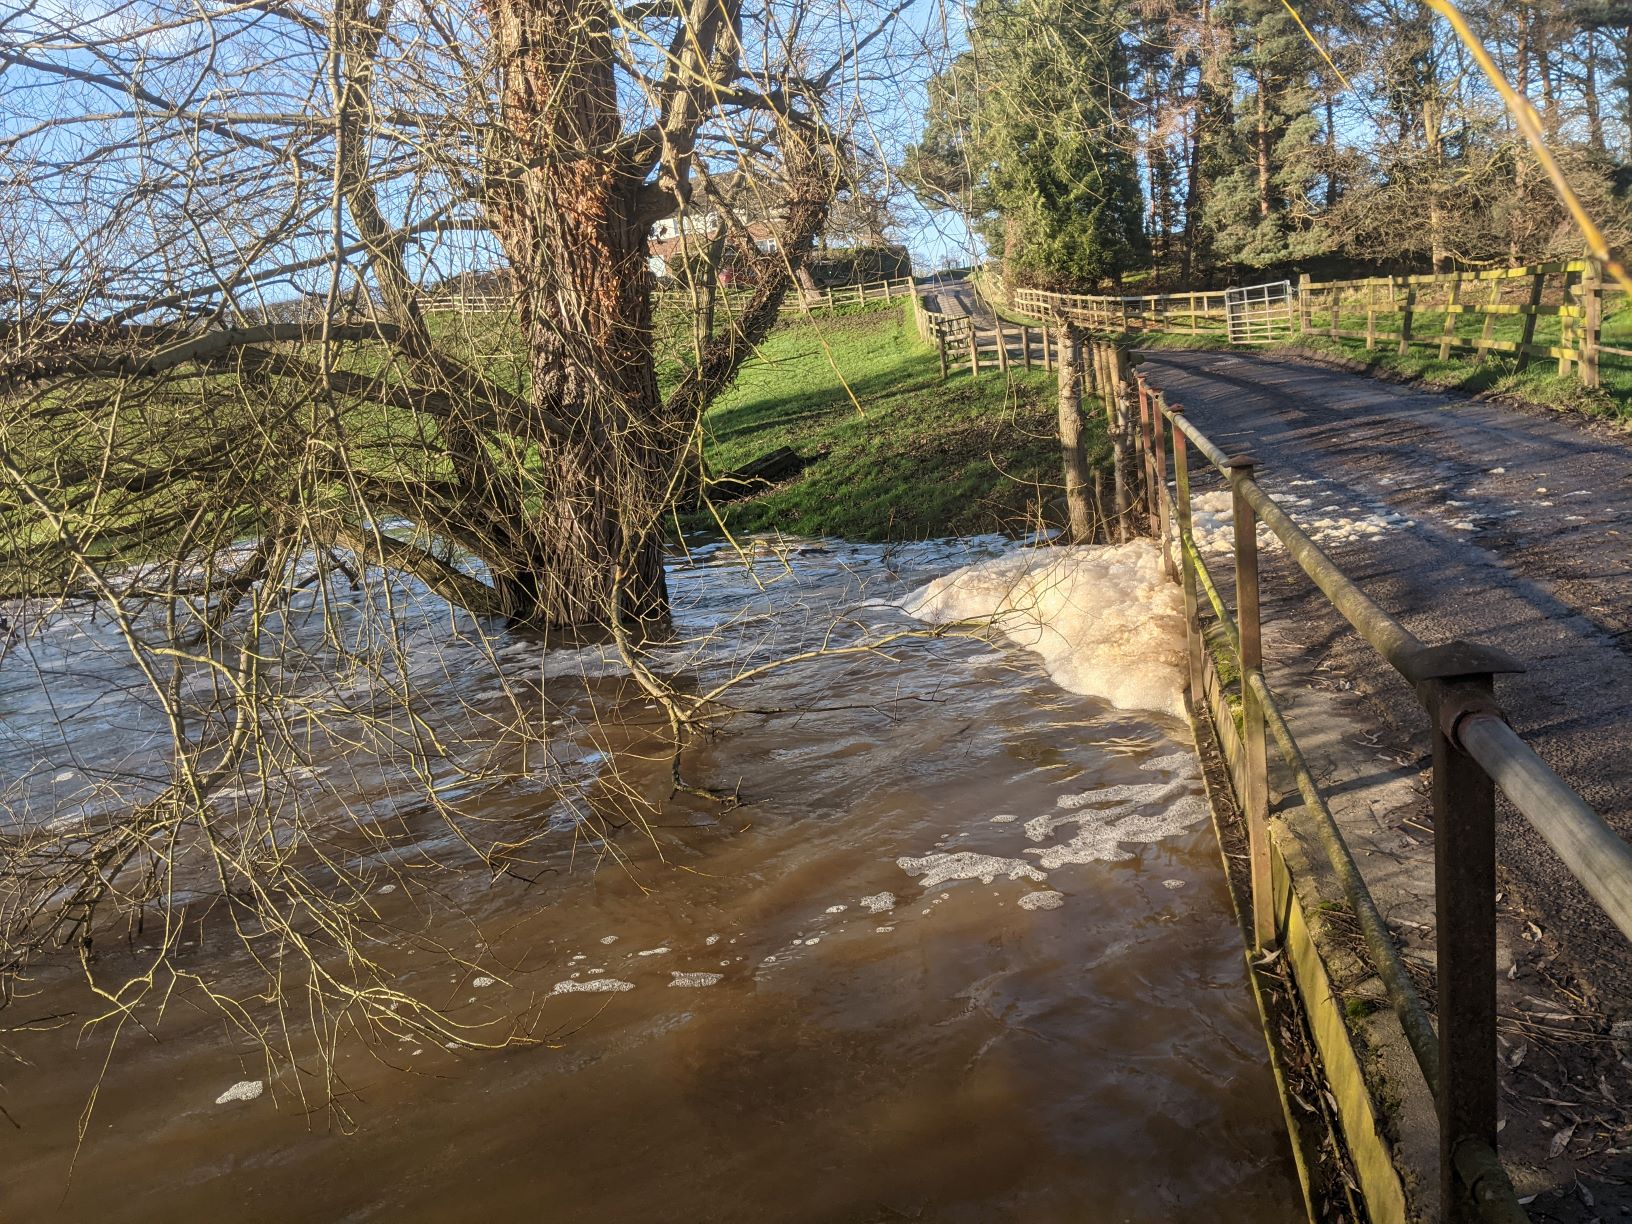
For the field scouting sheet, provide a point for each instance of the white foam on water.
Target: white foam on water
(1004, 818)
(878, 903)
(243, 1090)
(1045, 900)
(609, 939)
(603, 985)
(1105, 620)
(712, 940)
(653, 951)
(836, 909)
(937, 869)
(694, 980)
(1173, 884)
(481, 983)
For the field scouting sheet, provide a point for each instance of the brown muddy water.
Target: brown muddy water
(964, 953)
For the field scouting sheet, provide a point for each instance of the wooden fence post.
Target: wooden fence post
(1159, 428)
(1405, 318)
(1592, 298)
(1070, 425)
(1181, 486)
(1337, 310)
(1147, 447)
(1371, 313)
(1303, 303)
(1002, 350)
(1447, 333)
(1464, 804)
(1025, 345)
(1566, 324)
(1528, 335)
(940, 339)
(1255, 763)
(1489, 328)
(1048, 363)
(974, 351)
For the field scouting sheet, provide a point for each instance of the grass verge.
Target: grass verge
(1539, 385)
(892, 451)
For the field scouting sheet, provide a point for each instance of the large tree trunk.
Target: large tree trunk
(569, 219)
(1072, 461)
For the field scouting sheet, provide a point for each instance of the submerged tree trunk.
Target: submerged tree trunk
(586, 548)
(569, 197)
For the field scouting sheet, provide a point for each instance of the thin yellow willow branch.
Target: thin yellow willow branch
(1529, 123)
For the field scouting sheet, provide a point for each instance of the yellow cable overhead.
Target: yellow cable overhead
(1315, 43)
(1529, 123)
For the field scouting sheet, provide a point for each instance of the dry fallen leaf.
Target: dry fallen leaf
(1561, 1141)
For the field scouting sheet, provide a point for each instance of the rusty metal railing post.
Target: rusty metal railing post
(1455, 682)
(1187, 570)
(1254, 755)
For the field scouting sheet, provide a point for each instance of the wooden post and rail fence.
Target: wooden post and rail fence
(1549, 311)
(797, 301)
(1475, 753)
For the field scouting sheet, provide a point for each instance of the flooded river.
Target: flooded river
(963, 953)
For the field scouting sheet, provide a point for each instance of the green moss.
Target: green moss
(1357, 1009)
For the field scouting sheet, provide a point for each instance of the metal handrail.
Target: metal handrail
(1454, 682)
(1593, 852)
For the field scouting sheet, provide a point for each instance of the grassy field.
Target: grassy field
(893, 452)
(1539, 383)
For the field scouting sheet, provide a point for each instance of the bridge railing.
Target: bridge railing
(1475, 753)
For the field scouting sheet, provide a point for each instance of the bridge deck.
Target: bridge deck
(1471, 520)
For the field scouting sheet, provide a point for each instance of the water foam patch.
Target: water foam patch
(243, 1090)
(694, 980)
(1104, 619)
(939, 868)
(1045, 900)
(1110, 819)
(604, 985)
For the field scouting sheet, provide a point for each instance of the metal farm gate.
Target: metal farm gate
(1260, 314)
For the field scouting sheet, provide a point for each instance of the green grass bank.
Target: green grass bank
(891, 451)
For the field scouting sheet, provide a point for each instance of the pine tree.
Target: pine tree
(1264, 209)
(1038, 109)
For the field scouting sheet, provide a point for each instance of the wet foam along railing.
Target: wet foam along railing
(1475, 751)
